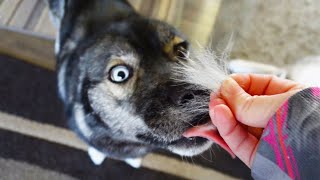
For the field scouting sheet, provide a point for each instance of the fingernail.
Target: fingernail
(227, 86)
(234, 75)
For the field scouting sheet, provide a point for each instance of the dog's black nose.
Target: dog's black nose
(180, 95)
(186, 97)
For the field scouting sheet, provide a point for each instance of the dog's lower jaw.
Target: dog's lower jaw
(190, 151)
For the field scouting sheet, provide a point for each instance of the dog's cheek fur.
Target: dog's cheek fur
(119, 141)
(97, 134)
(94, 128)
(115, 113)
(91, 128)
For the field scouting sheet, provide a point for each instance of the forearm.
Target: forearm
(290, 145)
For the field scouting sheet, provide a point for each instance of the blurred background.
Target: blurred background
(35, 141)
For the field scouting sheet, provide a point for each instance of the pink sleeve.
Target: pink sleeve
(290, 145)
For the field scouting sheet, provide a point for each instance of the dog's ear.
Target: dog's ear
(76, 18)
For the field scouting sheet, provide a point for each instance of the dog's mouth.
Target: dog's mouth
(194, 140)
(203, 128)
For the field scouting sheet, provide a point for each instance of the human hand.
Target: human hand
(244, 107)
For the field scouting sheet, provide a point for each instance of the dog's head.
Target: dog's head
(115, 71)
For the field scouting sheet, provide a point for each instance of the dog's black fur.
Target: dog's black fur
(131, 118)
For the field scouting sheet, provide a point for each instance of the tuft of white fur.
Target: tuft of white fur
(203, 68)
(191, 151)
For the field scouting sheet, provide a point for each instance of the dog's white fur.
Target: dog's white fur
(188, 151)
(61, 80)
(203, 68)
(80, 121)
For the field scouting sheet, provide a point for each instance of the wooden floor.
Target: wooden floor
(26, 29)
(31, 15)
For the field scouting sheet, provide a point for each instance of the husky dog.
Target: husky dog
(116, 79)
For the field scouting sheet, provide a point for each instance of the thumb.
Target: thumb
(250, 110)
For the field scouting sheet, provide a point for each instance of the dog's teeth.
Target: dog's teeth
(191, 138)
(134, 162)
(96, 156)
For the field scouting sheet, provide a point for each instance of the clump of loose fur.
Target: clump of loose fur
(202, 68)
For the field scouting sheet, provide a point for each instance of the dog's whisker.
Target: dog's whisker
(188, 123)
(205, 158)
(213, 153)
(210, 154)
(192, 160)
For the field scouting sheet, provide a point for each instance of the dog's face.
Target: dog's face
(115, 73)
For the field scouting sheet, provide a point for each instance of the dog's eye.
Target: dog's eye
(119, 73)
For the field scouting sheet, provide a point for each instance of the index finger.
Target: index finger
(242, 143)
(259, 84)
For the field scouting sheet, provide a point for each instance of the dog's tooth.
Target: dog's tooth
(134, 162)
(96, 156)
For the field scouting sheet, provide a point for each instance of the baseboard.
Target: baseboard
(28, 46)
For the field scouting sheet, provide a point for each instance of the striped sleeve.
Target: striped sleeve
(290, 144)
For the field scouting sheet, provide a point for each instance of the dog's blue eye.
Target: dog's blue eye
(119, 73)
